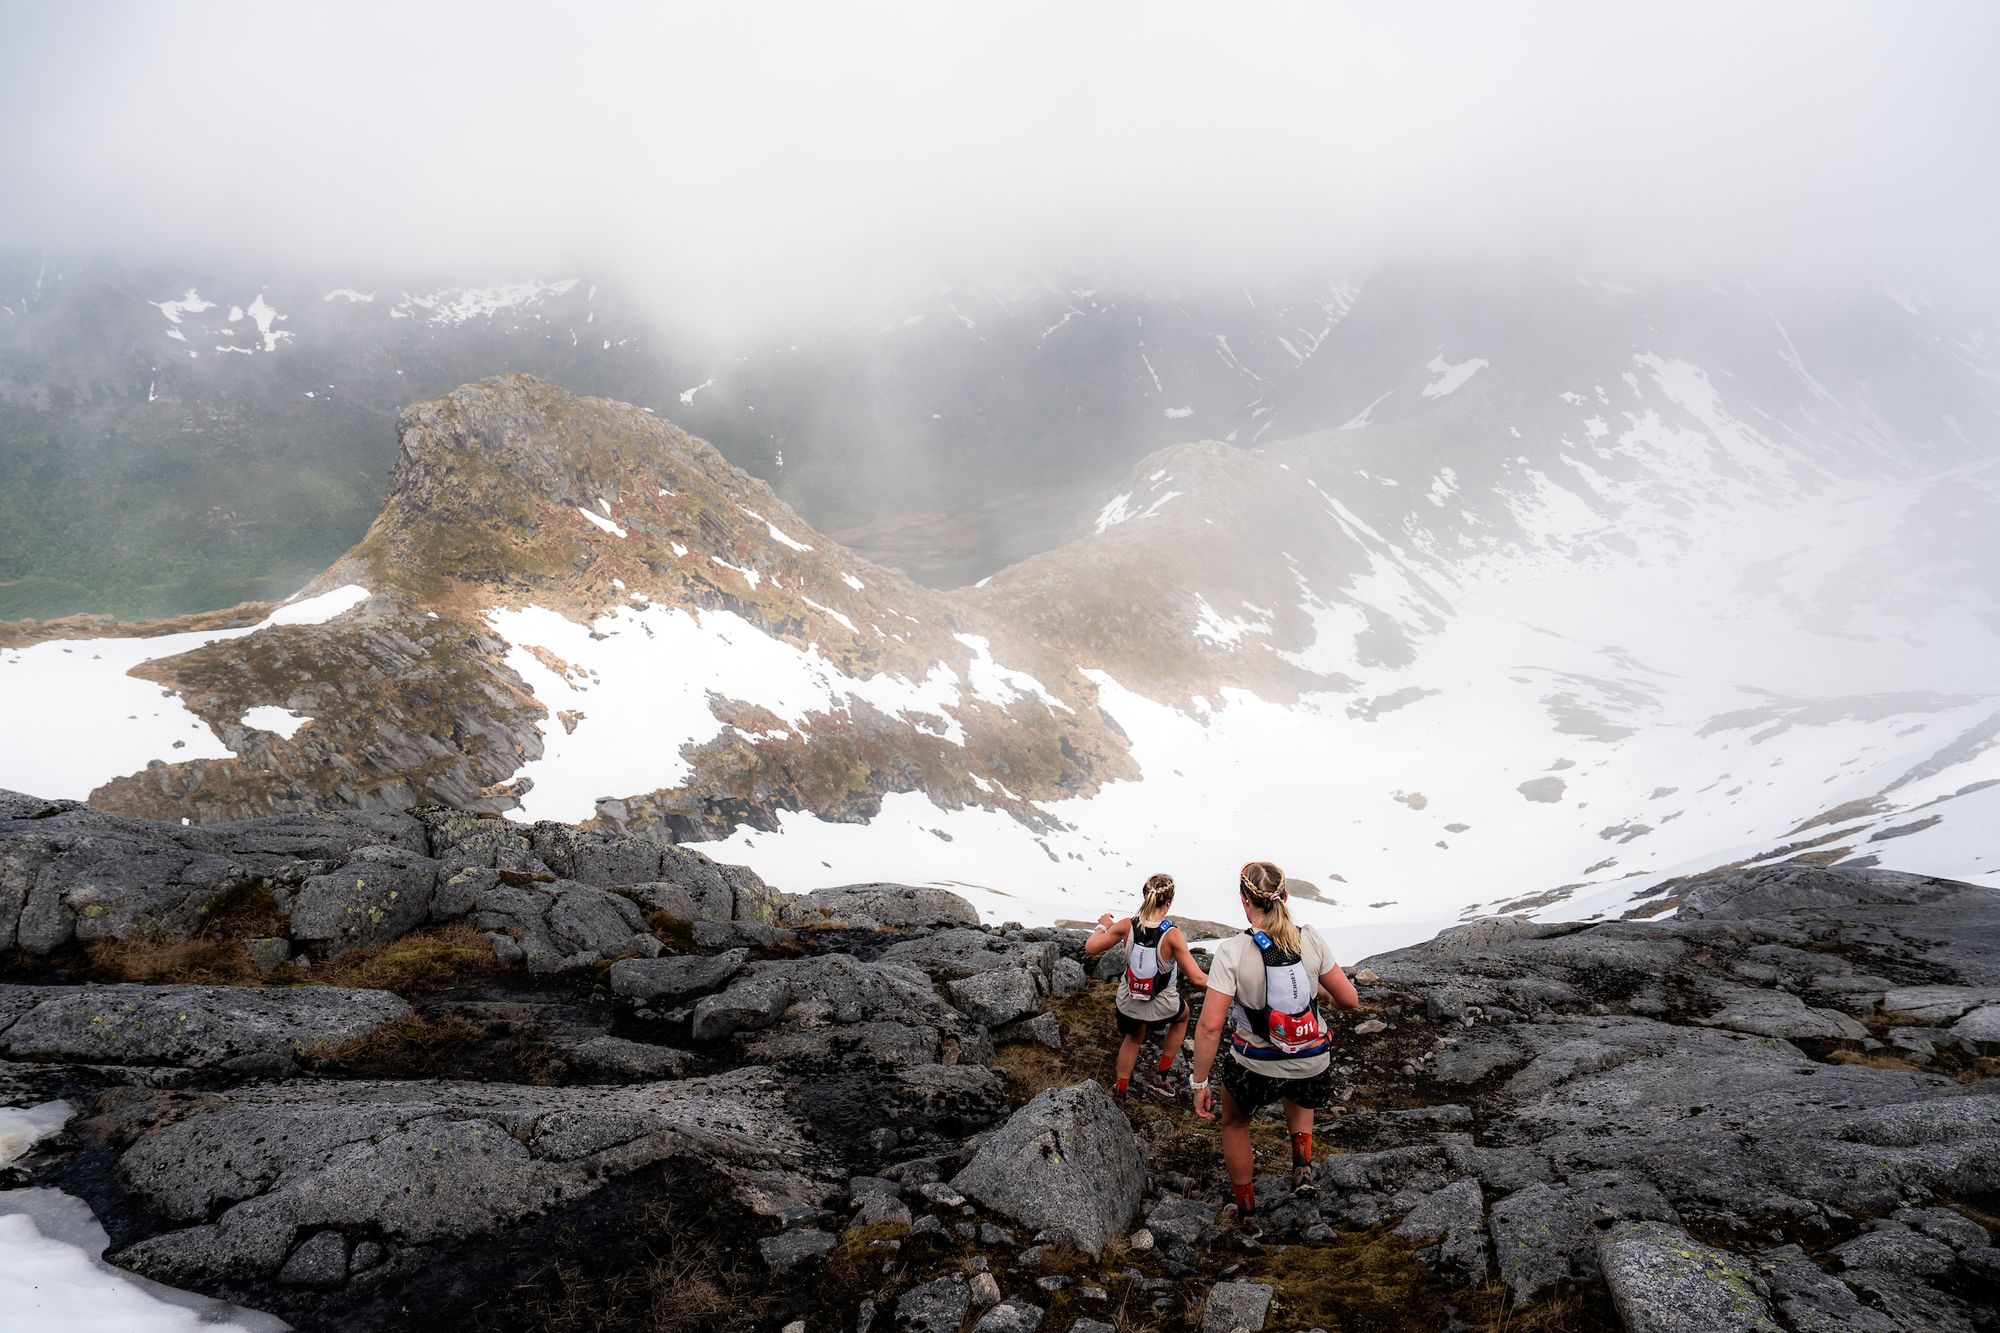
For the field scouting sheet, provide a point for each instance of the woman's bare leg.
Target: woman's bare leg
(1237, 1157)
(1128, 1055)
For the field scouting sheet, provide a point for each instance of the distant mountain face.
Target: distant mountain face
(1551, 617)
(179, 441)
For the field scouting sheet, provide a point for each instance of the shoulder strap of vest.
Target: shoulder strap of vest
(1166, 924)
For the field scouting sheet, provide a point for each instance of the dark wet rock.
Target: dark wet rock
(1664, 1281)
(1234, 1305)
(938, 1306)
(1454, 1221)
(664, 982)
(1011, 1316)
(245, 1176)
(1813, 1301)
(893, 905)
(789, 1249)
(750, 1003)
(319, 1262)
(997, 998)
(1067, 1159)
(240, 1029)
(1043, 1029)
(1895, 1248)
(615, 1057)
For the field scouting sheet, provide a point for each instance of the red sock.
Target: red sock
(1246, 1198)
(1302, 1148)
(1119, 1090)
(1166, 1062)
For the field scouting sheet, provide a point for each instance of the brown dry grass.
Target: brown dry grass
(213, 956)
(422, 962)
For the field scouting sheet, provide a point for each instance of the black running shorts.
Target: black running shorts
(1140, 1027)
(1252, 1090)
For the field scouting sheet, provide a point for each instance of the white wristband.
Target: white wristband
(1201, 1086)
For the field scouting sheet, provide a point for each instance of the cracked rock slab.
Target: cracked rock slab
(1664, 1281)
(236, 1028)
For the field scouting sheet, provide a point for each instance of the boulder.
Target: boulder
(881, 905)
(950, 955)
(1236, 1305)
(1010, 1316)
(1938, 1004)
(1042, 1029)
(665, 982)
(615, 1057)
(1454, 1220)
(750, 1003)
(382, 894)
(1664, 1281)
(997, 998)
(938, 1306)
(1068, 1160)
(235, 1028)
(787, 1250)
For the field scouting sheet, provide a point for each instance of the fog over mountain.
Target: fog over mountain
(752, 168)
(589, 595)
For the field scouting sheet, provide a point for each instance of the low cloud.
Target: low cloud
(747, 163)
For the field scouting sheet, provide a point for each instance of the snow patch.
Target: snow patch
(279, 721)
(1450, 378)
(600, 521)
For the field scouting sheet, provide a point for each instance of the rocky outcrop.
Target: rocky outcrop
(271, 1183)
(1067, 1161)
(1773, 1109)
(227, 1028)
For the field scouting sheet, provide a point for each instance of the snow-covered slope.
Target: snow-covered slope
(1590, 595)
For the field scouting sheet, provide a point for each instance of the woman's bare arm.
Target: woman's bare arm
(1108, 933)
(1340, 989)
(1185, 957)
(1207, 1041)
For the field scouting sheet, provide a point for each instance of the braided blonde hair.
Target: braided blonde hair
(1263, 886)
(1159, 894)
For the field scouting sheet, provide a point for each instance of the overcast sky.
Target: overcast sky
(751, 157)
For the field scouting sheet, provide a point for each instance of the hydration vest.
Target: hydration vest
(1289, 1019)
(1143, 977)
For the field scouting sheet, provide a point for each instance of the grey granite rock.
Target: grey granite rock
(235, 1028)
(938, 1306)
(1236, 1305)
(665, 982)
(1011, 1316)
(1067, 1159)
(894, 905)
(1454, 1220)
(1664, 1281)
(997, 998)
(788, 1249)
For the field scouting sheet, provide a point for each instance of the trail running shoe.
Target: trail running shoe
(1305, 1184)
(1161, 1085)
(1247, 1227)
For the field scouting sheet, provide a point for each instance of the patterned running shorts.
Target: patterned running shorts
(1252, 1090)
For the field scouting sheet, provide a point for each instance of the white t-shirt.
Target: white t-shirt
(1238, 970)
